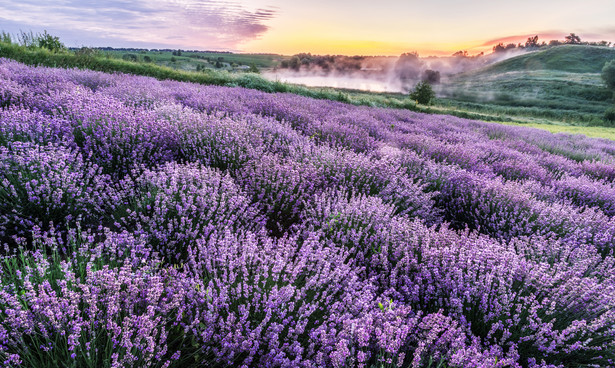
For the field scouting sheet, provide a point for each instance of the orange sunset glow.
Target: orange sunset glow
(344, 27)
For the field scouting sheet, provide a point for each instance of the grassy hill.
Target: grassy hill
(567, 58)
(560, 84)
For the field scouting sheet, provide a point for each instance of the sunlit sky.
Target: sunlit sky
(351, 27)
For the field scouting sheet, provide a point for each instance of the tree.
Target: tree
(408, 66)
(423, 93)
(609, 115)
(462, 53)
(253, 69)
(608, 74)
(532, 42)
(49, 42)
(573, 39)
(431, 76)
(129, 57)
(499, 48)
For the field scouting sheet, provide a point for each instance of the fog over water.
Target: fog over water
(363, 83)
(374, 73)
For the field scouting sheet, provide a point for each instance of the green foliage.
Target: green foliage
(88, 52)
(253, 68)
(27, 39)
(5, 37)
(49, 42)
(608, 74)
(423, 93)
(609, 116)
(130, 57)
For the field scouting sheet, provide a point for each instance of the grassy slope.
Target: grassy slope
(567, 58)
(560, 84)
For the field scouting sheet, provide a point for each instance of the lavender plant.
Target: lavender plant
(156, 223)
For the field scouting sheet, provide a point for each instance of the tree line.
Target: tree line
(533, 43)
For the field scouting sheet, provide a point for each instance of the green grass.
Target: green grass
(592, 132)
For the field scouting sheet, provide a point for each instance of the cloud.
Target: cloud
(159, 23)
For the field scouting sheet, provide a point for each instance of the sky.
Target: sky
(347, 27)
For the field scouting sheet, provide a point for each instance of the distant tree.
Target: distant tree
(532, 42)
(609, 115)
(608, 74)
(555, 43)
(511, 46)
(173, 59)
(408, 66)
(431, 76)
(147, 59)
(294, 63)
(573, 39)
(423, 93)
(179, 52)
(88, 52)
(499, 48)
(462, 53)
(253, 69)
(218, 64)
(129, 57)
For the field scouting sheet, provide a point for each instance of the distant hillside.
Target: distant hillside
(568, 58)
(559, 84)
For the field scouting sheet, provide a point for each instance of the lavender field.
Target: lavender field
(150, 223)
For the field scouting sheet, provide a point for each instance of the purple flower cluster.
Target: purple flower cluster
(148, 223)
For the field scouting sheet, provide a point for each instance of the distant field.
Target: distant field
(592, 132)
(194, 61)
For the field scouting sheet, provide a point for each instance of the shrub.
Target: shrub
(423, 93)
(49, 42)
(46, 186)
(178, 204)
(108, 305)
(609, 115)
(608, 74)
